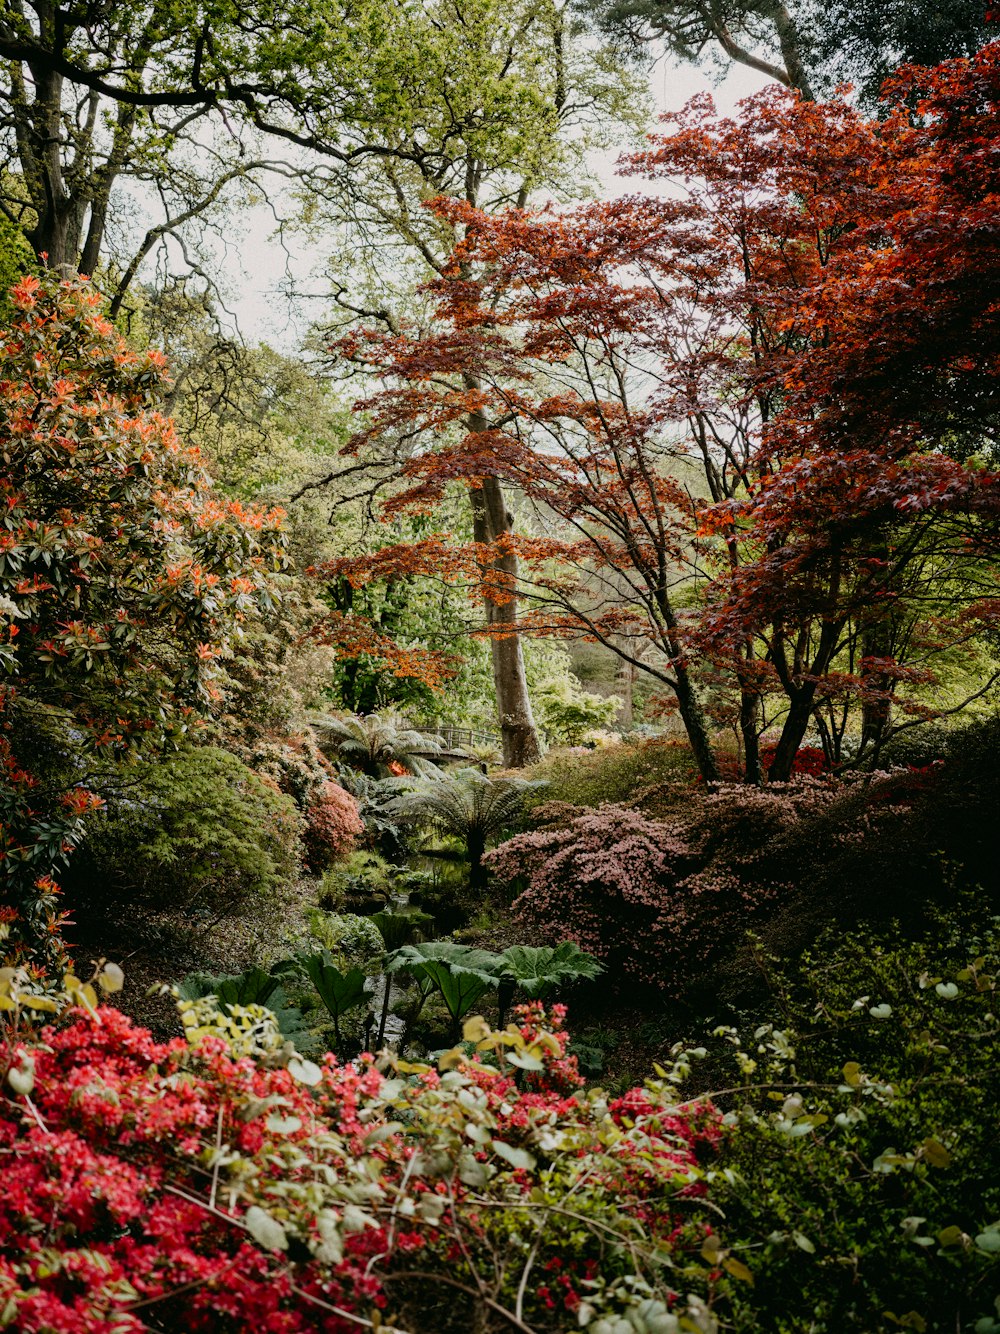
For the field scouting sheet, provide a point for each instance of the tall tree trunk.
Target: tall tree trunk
(790, 41)
(799, 679)
(625, 690)
(753, 772)
(876, 707)
(491, 520)
(688, 703)
(796, 725)
(693, 717)
(39, 136)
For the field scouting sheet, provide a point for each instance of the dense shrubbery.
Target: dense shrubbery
(660, 891)
(469, 806)
(862, 1162)
(354, 939)
(233, 1185)
(333, 826)
(173, 747)
(845, 1179)
(359, 878)
(567, 713)
(198, 827)
(656, 899)
(125, 577)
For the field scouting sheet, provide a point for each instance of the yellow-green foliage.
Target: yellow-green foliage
(197, 823)
(622, 774)
(248, 1030)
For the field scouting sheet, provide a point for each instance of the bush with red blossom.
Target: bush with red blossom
(808, 760)
(224, 1183)
(333, 825)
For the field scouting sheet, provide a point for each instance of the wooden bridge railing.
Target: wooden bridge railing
(454, 738)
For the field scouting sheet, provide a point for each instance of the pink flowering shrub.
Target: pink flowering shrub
(213, 1185)
(333, 825)
(654, 898)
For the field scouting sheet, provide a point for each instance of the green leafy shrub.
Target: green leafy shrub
(459, 974)
(861, 1172)
(197, 829)
(383, 832)
(567, 713)
(353, 939)
(339, 991)
(537, 970)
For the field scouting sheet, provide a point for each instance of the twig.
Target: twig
(334, 1310)
(509, 1316)
(528, 1266)
(184, 1287)
(218, 1154)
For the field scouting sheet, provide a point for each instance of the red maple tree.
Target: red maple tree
(748, 412)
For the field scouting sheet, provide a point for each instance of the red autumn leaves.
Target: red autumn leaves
(742, 412)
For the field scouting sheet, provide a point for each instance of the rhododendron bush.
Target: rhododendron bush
(124, 578)
(223, 1182)
(333, 825)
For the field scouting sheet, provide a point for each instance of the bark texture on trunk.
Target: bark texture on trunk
(693, 717)
(490, 520)
(688, 703)
(625, 690)
(753, 772)
(792, 734)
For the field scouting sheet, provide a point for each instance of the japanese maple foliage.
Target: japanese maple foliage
(123, 575)
(761, 387)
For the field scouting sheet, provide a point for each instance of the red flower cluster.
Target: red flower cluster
(808, 760)
(188, 1187)
(103, 1214)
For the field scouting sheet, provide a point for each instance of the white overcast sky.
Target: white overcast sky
(259, 267)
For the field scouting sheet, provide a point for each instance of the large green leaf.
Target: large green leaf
(254, 987)
(338, 991)
(459, 973)
(538, 969)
